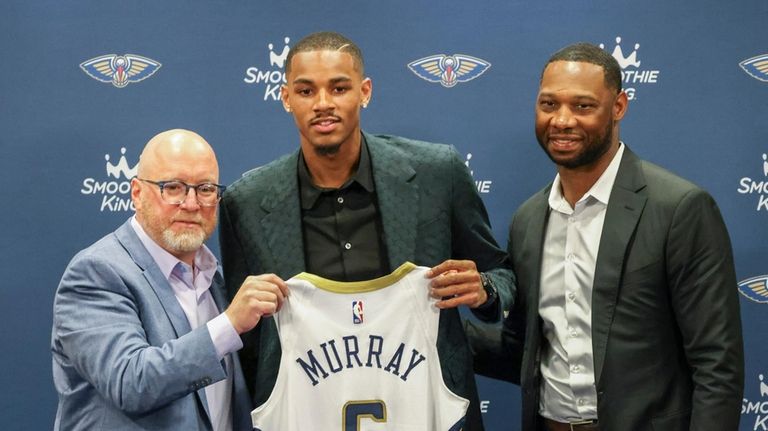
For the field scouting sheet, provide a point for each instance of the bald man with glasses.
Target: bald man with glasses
(142, 335)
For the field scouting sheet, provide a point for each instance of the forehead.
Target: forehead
(310, 64)
(573, 76)
(186, 166)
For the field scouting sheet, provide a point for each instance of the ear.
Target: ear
(284, 98)
(366, 91)
(136, 193)
(620, 106)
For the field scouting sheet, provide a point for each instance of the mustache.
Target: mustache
(320, 118)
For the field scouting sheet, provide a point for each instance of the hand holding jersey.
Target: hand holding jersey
(457, 282)
(259, 295)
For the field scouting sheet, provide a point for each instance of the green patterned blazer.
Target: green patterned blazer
(430, 212)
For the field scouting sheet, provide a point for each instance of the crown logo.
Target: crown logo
(114, 170)
(763, 386)
(618, 54)
(279, 59)
(765, 164)
(466, 162)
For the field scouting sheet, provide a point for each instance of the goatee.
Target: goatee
(327, 150)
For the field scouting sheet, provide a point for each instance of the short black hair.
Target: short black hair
(589, 53)
(326, 41)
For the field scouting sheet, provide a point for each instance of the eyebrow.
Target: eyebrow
(333, 80)
(577, 97)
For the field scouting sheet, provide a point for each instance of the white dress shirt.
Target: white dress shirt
(191, 286)
(571, 244)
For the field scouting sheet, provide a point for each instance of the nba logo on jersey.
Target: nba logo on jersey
(357, 312)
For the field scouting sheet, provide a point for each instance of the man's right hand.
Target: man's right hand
(259, 295)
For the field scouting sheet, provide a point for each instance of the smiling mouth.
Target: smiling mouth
(561, 141)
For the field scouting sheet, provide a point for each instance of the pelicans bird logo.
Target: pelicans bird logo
(757, 67)
(755, 288)
(120, 70)
(449, 70)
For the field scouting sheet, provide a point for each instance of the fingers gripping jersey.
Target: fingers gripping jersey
(360, 356)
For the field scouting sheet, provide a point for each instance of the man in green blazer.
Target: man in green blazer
(627, 316)
(353, 206)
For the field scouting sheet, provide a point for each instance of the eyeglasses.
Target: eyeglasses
(175, 192)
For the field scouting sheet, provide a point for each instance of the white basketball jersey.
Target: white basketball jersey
(360, 356)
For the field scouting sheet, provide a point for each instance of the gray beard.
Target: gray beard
(184, 242)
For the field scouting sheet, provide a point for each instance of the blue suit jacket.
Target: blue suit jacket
(124, 356)
(430, 212)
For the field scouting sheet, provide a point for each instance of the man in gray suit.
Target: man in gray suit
(139, 337)
(627, 316)
(353, 206)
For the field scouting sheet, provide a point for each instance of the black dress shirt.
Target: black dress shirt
(343, 235)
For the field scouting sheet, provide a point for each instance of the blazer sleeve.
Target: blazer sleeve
(702, 286)
(232, 254)
(472, 239)
(491, 357)
(99, 327)
(493, 353)
(236, 269)
(498, 349)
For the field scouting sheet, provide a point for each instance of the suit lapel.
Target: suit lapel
(398, 198)
(537, 225)
(282, 224)
(622, 215)
(159, 284)
(217, 291)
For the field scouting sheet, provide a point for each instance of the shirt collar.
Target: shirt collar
(600, 191)
(205, 261)
(363, 176)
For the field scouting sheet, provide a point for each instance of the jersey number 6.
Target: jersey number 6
(354, 411)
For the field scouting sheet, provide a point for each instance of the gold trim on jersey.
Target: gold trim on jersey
(358, 286)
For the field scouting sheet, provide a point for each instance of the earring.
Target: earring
(365, 104)
(287, 109)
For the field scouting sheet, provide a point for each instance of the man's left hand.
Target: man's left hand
(457, 282)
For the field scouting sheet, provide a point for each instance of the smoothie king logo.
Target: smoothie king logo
(273, 77)
(759, 187)
(115, 189)
(756, 408)
(632, 74)
(483, 186)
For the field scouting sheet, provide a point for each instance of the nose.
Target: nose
(563, 118)
(323, 101)
(190, 200)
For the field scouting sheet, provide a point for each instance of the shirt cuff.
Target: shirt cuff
(225, 339)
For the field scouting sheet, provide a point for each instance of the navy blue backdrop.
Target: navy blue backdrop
(697, 74)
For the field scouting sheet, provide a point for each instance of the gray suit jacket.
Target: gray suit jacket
(666, 329)
(124, 357)
(430, 212)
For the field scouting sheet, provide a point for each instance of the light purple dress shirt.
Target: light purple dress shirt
(191, 286)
